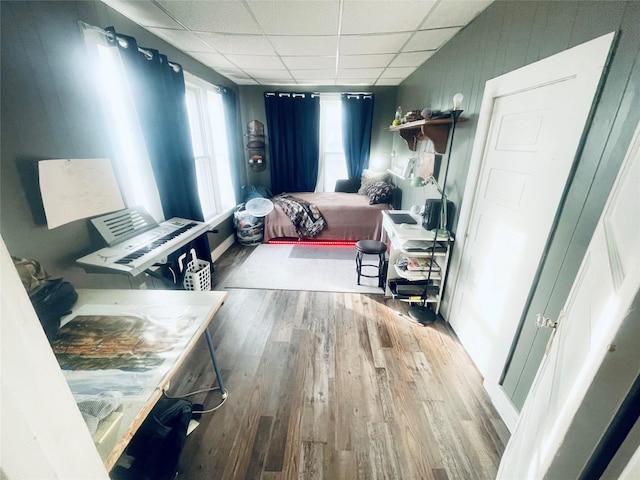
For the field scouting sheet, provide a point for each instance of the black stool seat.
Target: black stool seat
(371, 247)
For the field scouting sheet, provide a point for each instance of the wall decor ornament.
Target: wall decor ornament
(255, 146)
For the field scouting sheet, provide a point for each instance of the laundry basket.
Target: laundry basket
(249, 228)
(197, 274)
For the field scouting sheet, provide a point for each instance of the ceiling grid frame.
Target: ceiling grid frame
(293, 42)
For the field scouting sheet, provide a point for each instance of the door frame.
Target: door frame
(584, 62)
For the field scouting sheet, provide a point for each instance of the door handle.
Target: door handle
(544, 322)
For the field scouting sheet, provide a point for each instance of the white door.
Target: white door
(593, 358)
(529, 129)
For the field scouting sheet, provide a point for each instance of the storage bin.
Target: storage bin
(197, 274)
(249, 229)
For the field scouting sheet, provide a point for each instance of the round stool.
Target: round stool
(371, 247)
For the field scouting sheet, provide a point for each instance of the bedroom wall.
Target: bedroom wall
(252, 108)
(506, 36)
(49, 110)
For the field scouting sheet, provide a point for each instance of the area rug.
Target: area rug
(304, 267)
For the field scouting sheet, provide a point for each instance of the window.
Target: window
(210, 146)
(333, 165)
(131, 160)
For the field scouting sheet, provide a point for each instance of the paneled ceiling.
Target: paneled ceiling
(306, 42)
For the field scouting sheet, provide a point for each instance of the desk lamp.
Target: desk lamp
(421, 313)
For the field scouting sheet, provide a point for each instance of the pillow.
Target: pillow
(369, 177)
(379, 192)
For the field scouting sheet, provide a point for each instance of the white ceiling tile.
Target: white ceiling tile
(411, 59)
(389, 81)
(244, 81)
(308, 45)
(452, 13)
(309, 62)
(276, 81)
(313, 74)
(212, 16)
(144, 13)
(402, 72)
(297, 18)
(383, 16)
(257, 61)
(355, 81)
(185, 41)
(238, 44)
(430, 39)
(267, 73)
(360, 72)
(372, 44)
(364, 61)
(214, 60)
(317, 82)
(234, 72)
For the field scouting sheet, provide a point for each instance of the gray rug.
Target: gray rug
(300, 267)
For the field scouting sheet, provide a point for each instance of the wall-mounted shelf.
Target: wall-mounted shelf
(436, 130)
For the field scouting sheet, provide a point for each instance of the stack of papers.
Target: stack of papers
(422, 264)
(422, 246)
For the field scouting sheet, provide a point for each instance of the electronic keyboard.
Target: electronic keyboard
(137, 242)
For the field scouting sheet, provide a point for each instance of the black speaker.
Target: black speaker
(431, 216)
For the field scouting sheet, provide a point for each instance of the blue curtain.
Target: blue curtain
(293, 132)
(230, 114)
(357, 119)
(158, 91)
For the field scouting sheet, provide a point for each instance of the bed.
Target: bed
(348, 214)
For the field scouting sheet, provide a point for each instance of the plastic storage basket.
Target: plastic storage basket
(197, 274)
(249, 229)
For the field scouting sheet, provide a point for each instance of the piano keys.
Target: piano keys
(138, 242)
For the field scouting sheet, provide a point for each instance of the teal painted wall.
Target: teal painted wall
(506, 36)
(50, 110)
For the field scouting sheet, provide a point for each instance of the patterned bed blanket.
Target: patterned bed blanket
(306, 218)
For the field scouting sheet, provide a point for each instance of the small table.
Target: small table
(132, 341)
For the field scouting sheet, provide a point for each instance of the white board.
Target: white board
(73, 189)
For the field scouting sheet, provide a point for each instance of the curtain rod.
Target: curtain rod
(291, 94)
(124, 43)
(358, 95)
(315, 94)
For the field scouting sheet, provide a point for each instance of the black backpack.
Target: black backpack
(52, 298)
(157, 445)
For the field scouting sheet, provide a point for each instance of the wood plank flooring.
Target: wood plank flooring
(335, 386)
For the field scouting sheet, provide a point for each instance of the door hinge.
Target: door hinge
(544, 322)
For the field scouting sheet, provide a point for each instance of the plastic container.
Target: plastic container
(197, 274)
(249, 229)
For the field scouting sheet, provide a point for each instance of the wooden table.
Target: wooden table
(132, 341)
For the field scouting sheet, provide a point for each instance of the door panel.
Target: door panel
(521, 184)
(529, 129)
(574, 396)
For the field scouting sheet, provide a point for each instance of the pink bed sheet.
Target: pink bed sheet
(348, 215)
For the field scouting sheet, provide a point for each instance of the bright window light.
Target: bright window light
(333, 164)
(131, 162)
(208, 129)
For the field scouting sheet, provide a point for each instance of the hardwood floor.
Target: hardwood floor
(335, 386)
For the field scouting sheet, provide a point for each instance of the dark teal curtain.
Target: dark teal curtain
(230, 114)
(357, 119)
(158, 92)
(293, 132)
